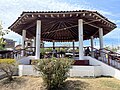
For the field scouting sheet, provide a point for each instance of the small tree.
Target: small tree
(2, 44)
(2, 33)
(8, 66)
(54, 71)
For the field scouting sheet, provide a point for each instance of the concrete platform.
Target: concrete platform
(75, 71)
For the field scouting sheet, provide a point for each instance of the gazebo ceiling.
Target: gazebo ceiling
(62, 25)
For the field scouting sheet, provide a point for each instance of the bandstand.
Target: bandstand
(68, 26)
(62, 26)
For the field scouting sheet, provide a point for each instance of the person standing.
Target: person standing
(87, 52)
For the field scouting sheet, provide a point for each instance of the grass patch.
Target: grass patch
(17, 82)
(110, 84)
(76, 85)
(36, 83)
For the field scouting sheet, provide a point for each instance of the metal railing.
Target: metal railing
(24, 52)
(107, 56)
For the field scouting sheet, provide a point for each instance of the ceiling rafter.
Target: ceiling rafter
(68, 29)
(72, 28)
(52, 29)
(57, 34)
(62, 25)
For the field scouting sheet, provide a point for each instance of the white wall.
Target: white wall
(82, 71)
(25, 60)
(75, 71)
(106, 69)
(27, 70)
(97, 68)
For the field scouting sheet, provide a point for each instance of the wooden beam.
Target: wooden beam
(77, 15)
(58, 15)
(32, 15)
(92, 25)
(51, 15)
(83, 14)
(39, 15)
(92, 21)
(63, 15)
(70, 15)
(45, 15)
(29, 25)
(104, 19)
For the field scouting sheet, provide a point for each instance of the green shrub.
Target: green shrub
(8, 66)
(33, 62)
(54, 71)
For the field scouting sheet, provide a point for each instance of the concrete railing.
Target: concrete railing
(106, 69)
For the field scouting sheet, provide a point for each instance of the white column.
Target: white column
(23, 41)
(73, 49)
(92, 46)
(34, 43)
(30, 44)
(38, 39)
(101, 37)
(101, 40)
(80, 33)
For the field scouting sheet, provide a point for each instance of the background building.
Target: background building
(10, 44)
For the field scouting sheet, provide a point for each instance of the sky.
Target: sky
(10, 10)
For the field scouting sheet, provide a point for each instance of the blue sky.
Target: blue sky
(10, 10)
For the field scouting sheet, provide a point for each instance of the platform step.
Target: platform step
(81, 62)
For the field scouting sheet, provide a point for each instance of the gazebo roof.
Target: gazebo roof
(62, 25)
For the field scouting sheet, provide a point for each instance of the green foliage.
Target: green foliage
(7, 61)
(34, 62)
(2, 44)
(1, 47)
(62, 49)
(2, 33)
(42, 50)
(48, 49)
(114, 49)
(8, 66)
(54, 71)
(107, 47)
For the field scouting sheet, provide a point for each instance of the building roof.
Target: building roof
(62, 25)
(18, 47)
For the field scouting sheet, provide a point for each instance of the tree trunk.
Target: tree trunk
(10, 78)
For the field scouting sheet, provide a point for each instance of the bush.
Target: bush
(54, 71)
(8, 66)
(33, 62)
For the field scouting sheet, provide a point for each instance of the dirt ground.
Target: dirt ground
(36, 83)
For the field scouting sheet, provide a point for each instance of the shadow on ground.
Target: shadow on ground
(73, 85)
(16, 83)
(76, 85)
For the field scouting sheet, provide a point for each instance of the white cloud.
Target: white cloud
(115, 34)
(14, 36)
(117, 21)
(10, 10)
